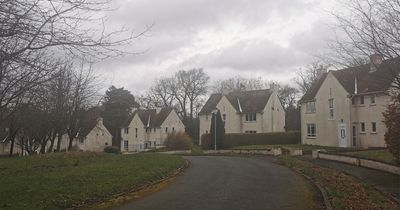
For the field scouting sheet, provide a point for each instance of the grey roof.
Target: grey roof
(367, 82)
(150, 117)
(250, 101)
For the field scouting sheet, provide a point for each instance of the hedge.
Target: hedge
(242, 139)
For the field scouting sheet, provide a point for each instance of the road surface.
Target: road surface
(217, 182)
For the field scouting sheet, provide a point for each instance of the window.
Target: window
(126, 130)
(81, 140)
(310, 107)
(106, 143)
(361, 99)
(372, 99)
(224, 117)
(206, 131)
(373, 127)
(353, 100)
(166, 130)
(154, 130)
(251, 117)
(331, 110)
(135, 132)
(362, 127)
(311, 130)
(250, 131)
(173, 129)
(126, 145)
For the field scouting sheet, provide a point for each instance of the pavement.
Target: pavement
(218, 182)
(385, 182)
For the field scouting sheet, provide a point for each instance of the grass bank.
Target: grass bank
(381, 155)
(344, 191)
(62, 181)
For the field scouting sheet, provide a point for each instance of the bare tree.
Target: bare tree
(238, 83)
(288, 96)
(307, 76)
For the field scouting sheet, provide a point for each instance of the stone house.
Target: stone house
(344, 107)
(146, 129)
(255, 111)
(93, 137)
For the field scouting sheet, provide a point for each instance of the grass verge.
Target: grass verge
(307, 149)
(381, 155)
(344, 191)
(196, 150)
(62, 181)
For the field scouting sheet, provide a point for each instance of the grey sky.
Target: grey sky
(267, 38)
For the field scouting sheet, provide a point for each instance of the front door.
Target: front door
(342, 135)
(354, 136)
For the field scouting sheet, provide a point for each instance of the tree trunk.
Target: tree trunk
(53, 137)
(12, 145)
(59, 138)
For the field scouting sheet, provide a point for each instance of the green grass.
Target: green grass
(305, 147)
(380, 155)
(196, 150)
(61, 180)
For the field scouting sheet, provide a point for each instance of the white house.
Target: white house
(344, 108)
(255, 111)
(147, 129)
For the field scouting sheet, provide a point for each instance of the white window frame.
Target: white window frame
(372, 127)
(126, 130)
(310, 107)
(311, 127)
(126, 145)
(251, 117)
(362, 127)
(331, 109)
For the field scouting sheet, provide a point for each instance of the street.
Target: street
(217, 182)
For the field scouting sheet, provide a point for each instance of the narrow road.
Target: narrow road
(233, 183)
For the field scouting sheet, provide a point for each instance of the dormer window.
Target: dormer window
(126, 130)
(251, 117)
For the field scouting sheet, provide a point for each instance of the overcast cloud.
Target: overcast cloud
(267, 38)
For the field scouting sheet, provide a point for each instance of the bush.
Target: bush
(178, 141)
(206, 141)
(111, 149)
(392, 135)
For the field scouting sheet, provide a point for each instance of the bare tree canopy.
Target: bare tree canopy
(240, 83)
(364, 28)
(307, 76)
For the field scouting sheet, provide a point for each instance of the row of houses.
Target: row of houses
(342, 108)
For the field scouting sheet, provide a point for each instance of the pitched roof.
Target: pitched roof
(243, 101)
(150, 117)
(367, 82)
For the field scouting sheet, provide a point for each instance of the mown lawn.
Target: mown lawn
(380, 155)
(61, 181)
(343, 191)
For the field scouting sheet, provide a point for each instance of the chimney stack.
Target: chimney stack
(375, 61)
(273, 87)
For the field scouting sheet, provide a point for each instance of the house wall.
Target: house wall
(135, 141)
(327, 133)
(273, 116)
(327, 129)
(97, 139)
(173, 123)
(368, 113)
(267, 121)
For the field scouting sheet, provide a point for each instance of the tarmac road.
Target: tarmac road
(218, 182)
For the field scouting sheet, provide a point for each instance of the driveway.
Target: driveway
(217, 182)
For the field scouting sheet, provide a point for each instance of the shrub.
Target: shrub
(178, 141)
(392, 135)
(111, 149)
(206, 141)
(242, 139)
